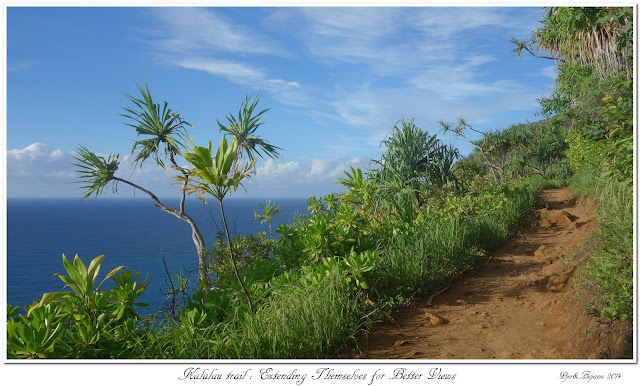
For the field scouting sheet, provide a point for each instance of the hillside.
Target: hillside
(518, 304)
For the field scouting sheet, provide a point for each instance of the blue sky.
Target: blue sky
(336, 80)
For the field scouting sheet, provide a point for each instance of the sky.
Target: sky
(335, 80)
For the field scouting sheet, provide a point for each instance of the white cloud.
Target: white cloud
(204, 30)
(293, 179)
(38, 169)
(241, 73)
(426, 63)
(36, 158)
(319, 167)
(330, 169)
(42, 170)
(550, 72)
(462, 81)
(362, 24)
(392, 40)
(33, 152)
(272, 169)
(444, 23)
(376, 113)
(203, 40)
(356, 35)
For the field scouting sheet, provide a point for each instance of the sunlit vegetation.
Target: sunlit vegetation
(418, 218)
(594, 96)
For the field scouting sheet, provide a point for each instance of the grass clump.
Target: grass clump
(609, 273)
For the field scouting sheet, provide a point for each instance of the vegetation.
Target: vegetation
(594, 96)
(419, 218)
(165, 137)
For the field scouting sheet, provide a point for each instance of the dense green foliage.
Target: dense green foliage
(519, 151)
(418, 219)
(594, 96)
(308, 291)
(84, 323)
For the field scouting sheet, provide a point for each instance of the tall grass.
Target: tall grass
(609, 273)
(424, 257)
(494, 229)
(442, 245)
(299, 321)
(302, 322)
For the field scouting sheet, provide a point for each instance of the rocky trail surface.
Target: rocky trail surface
(517, 304)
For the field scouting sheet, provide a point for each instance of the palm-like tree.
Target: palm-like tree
(268, 211)
(95, 171)
(214, 176)
(591, 36)
(167, 133)
(414, 163)
(163, 129)
(243, 128)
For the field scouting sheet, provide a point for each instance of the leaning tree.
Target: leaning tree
(163, 136)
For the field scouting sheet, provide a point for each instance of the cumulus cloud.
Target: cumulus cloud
(324, 169)
(38, 159)
(293, 179)
(35, 151)
(272, 169)
(41, 170)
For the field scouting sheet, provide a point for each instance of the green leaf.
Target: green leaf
(94, 268)
(110, 274)
(47, 298)
(75, 279)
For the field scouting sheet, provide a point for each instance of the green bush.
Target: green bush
(84, 323)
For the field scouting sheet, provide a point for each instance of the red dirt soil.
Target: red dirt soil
(518, 304)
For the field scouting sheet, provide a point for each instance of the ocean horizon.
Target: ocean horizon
(129, 231)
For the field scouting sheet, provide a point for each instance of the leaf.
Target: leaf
(204, 156)
(75, 280)
(94, 268)
(110, 274)
(47, 298)
(12, 310)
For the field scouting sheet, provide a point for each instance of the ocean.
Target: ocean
(128, 231)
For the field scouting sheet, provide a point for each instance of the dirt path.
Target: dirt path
(516, 305)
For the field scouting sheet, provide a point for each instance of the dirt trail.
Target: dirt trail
(515, 305)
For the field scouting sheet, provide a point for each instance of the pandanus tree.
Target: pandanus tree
(163, 136)
(214, 176)
(225, 172)
(596, 37)
(413, 164)
(268, 211)
(243, 128)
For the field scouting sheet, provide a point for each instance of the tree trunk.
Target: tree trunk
(198, 240)
(233, 260)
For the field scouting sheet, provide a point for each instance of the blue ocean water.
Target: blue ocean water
(128, 231)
